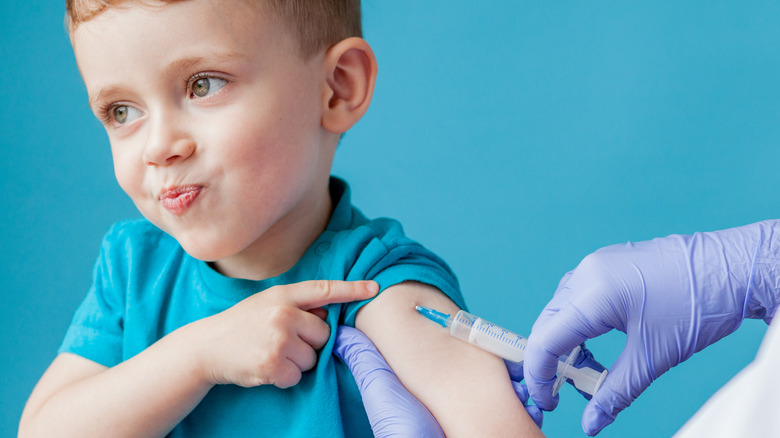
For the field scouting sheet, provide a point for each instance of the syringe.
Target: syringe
(510, 346)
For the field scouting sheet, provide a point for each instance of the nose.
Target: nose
(168, 143)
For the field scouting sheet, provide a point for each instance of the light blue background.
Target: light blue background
(512, 137)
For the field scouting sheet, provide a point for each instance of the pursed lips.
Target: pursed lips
(178, 199)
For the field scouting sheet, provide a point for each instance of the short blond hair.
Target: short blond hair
(317, 24)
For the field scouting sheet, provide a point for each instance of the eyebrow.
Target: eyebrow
(190, 62)
(107, 91)
(185, 63)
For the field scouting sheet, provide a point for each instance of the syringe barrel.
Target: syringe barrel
(511, 346)
(488, 336)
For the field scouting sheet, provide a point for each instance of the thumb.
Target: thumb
(392, 411)
(627, 378)
(359, 353)
(317, 293)
(557, 336)
(515, 370)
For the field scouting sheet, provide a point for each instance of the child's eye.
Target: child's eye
(123, 114)
(205, 86)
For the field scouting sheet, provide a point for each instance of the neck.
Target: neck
(283, 245)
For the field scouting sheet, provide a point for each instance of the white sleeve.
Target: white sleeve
(749, 404)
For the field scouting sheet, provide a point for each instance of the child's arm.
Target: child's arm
(392, 411)
(466, 389)
(269, 338)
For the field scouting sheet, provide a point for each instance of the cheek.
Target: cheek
(286, 118)
(127, 175)
(264, 141)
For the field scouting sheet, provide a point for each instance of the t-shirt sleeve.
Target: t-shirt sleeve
(392, 258)
(95, 332)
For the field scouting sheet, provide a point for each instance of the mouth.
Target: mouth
(178, 199)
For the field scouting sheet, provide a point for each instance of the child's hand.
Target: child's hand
(271, 337)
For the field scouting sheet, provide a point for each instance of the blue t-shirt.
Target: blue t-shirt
(145, 286)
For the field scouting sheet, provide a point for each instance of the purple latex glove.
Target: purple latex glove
(584, 359)
(391, 409)
(672, 297)
(516, 374)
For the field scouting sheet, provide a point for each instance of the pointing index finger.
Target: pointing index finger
(317, 293)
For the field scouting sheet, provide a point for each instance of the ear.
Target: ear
(350, 78)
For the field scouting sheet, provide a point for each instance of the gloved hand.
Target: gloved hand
(391, 409)
(516, 375)
(584, 359)
(672, 297)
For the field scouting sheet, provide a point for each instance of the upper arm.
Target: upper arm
(440, 370)
(66, 368)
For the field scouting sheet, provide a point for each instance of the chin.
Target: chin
(203, 251)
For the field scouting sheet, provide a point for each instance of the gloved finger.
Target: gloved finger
(565, 279)
(590, 296)
(522, 392)
(547, 343)
(536, 414)
(357, 351)
(628, 377)
(585, 359)
(533, 411)
(515, 370)
(361, 356)
(559, 299)
(391, 409)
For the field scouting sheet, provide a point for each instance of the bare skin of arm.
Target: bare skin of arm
(144, 396)
(440, 370)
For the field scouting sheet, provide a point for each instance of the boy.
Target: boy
(207, 317)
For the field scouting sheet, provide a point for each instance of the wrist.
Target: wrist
(749, 259)
(763, 289)
(192, 348)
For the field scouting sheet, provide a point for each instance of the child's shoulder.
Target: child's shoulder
(363, 232)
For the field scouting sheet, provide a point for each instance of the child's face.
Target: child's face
(214, 121)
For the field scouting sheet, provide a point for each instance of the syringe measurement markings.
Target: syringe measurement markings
(487, 329)
(465, 321)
